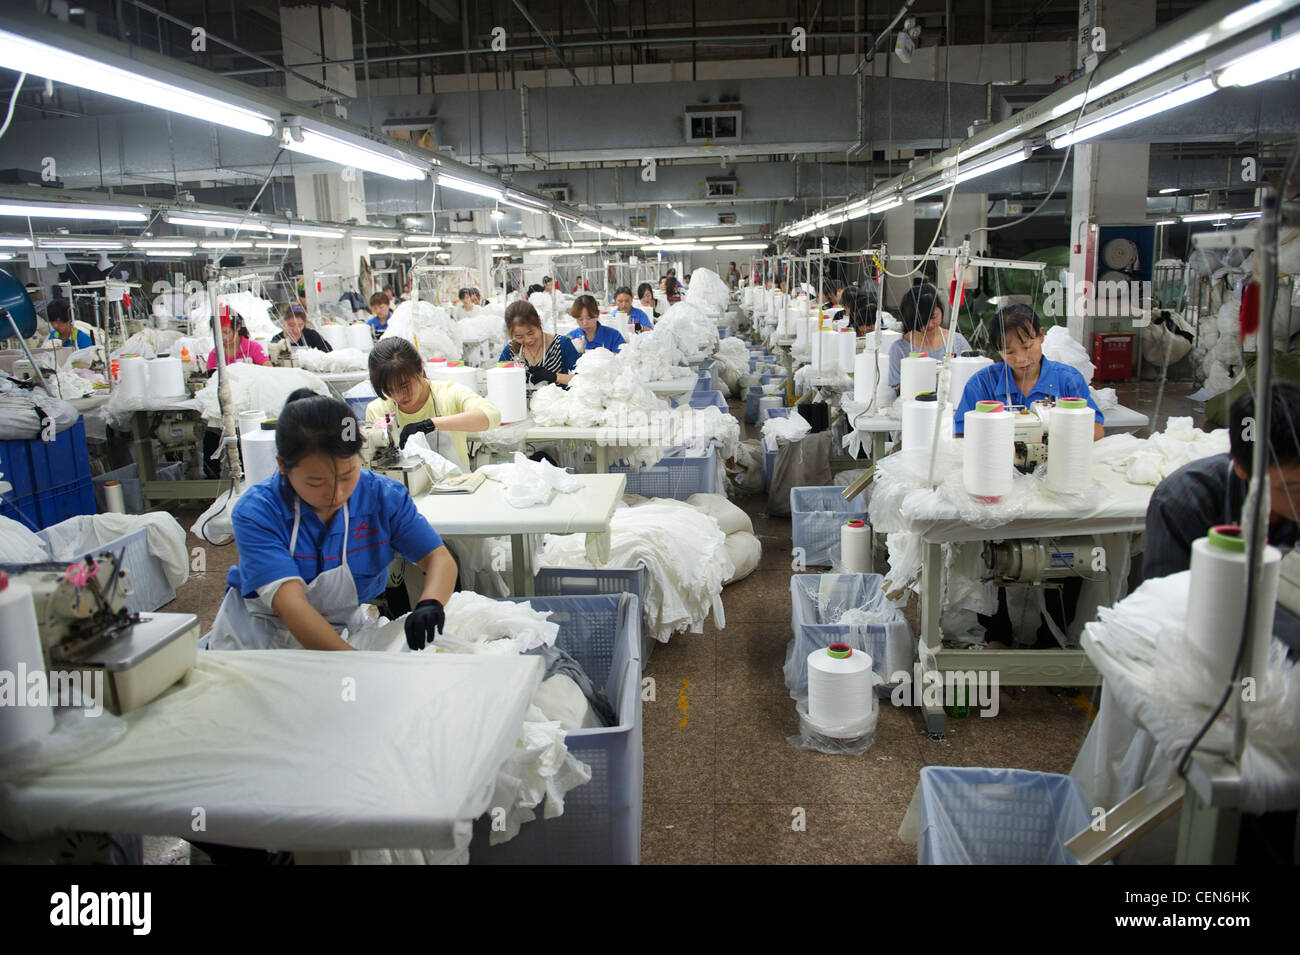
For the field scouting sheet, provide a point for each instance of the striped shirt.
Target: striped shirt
(1188, 503)
(560, 356)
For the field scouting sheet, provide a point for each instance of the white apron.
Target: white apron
(251, 625)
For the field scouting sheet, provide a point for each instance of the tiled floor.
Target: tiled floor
(722, 784)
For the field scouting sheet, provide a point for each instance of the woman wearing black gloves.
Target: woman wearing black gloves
(316, 538)
(548, 359)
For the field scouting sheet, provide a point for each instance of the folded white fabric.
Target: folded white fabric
(340, 359)
(478, 624)
(1151, 460)
(71, 538)
(529, 483)
(792, 427)
(19, 544)
(256, 388)
(685, 555)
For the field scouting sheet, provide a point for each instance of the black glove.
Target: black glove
(423, 623)
(539, 375)
(416, 427)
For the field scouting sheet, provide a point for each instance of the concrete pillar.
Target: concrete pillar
(966, 214)
(314, 33)
(1110, 181)
(900, 239)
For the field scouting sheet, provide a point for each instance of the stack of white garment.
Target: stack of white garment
(1151, 460)
(685, 555)
(694, 332)
(732, 354)
(258, 313)
(530, 483)
(709, 293)
(487, 325)
(256, 388)
(429, 326)
(650, 357)
(340, 359)
(743, 547)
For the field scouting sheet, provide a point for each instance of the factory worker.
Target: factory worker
(237, 345)
(297, 334)
(590, 333)
(1024, 375)
(548, 284)
(380, 307)
(672, 291)
(315, 540)
(466, 297)
(1211, 491)
(63, 329)
(645, 294)
(860, 309)
(832, 292)
(441, 410)
(733, 276)
(548, 359)
(921, 311)
(477, 298)
(627, 312)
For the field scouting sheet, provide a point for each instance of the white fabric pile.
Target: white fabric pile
(72, 383)
(1151, 460)
(790, 427)
(429, 326)
(258, 314)
(551, 309)
(684, 552)
(22, 412)
(340, 359)
(151, 342)
(530, 483)
(709, 293)
(478, 624)
(1059, 346)
(650, 357)
(19, 544)
(743, 547)
(71, 538)
(487, 325)
(733, 355)
(256, 388)
(692, 331)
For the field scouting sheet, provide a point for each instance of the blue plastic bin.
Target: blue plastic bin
(601, 824)
(675, 477)
(974, 816)
(890, 643)
(816, 514)
(592, 581)
(705, 399)
(51, 481)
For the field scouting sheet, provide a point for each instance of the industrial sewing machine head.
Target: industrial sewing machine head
(281, 354)
(1030, 430)
(84, 625)
(381, 453)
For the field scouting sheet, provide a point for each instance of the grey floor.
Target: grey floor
(722, 785)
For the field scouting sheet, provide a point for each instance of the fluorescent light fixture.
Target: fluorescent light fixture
(24, 55)
(1167, 222)
(965, 154)
(1168, 189)
(168, 253)
(315, 231)
(1247, 215)
(1151, 65)
(515, 197)
(70, 210)
(1071, 105)
(276, 245)
(103, 244)
(226, 244)
(926, 188)
(884, 205)
(1251, 13)
(376, 234)
(563, 216)
(497, 213)
(520, 206)
(1158, 104)
(213, 222)
(467, 185)
(742, 245)
(502, 255)
(15, 242)
(346, 149)
(164, 244)
(1207, 217)
(444, 255)
(1264, 63)
(1010, 158)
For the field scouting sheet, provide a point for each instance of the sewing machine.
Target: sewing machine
(1030, 430)
(84, 625)
(380, 452)
(281, 354)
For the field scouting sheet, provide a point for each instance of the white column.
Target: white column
(1110, 181)
(900, 239)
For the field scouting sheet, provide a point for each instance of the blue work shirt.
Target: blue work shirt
(606, 337)
(381, 519)
(640, 317)
(379, 329)
(996, 383)
(78, 340)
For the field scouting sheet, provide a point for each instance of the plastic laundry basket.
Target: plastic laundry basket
(889, 642)
(816, 515)
(971, 816)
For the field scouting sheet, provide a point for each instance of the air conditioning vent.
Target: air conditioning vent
(559, 191)
(721, 187)
(713, 124)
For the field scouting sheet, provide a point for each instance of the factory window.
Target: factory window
(710, 124)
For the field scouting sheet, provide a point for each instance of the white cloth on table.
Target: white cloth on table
(166, 538)
(529, 483)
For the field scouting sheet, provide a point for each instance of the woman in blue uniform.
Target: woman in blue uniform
(315, 541)
(590, 333)
(1024, 375)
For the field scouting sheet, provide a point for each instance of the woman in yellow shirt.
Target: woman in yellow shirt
(442, 410)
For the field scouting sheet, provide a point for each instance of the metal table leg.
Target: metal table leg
(936, 720)
(522, 563)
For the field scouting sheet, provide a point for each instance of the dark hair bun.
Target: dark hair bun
(299, 394)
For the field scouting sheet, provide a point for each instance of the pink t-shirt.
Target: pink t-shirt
(246, 349)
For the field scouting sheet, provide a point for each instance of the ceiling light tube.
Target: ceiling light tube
(103, 244)
(164, 244)
(276, 245)
(25, 55)
(1179, 96)
(1167, 222)
(15, 242)
(1009, 158)
(314, 231)
(213, 222)
(168, 253)
(226, 244)
(1271, 60)
(1207, 216)
(375, 234)
(743, 245)
(516, 197)
(1168, 189)
(302, 135)
(467, 185)
(70, 210)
